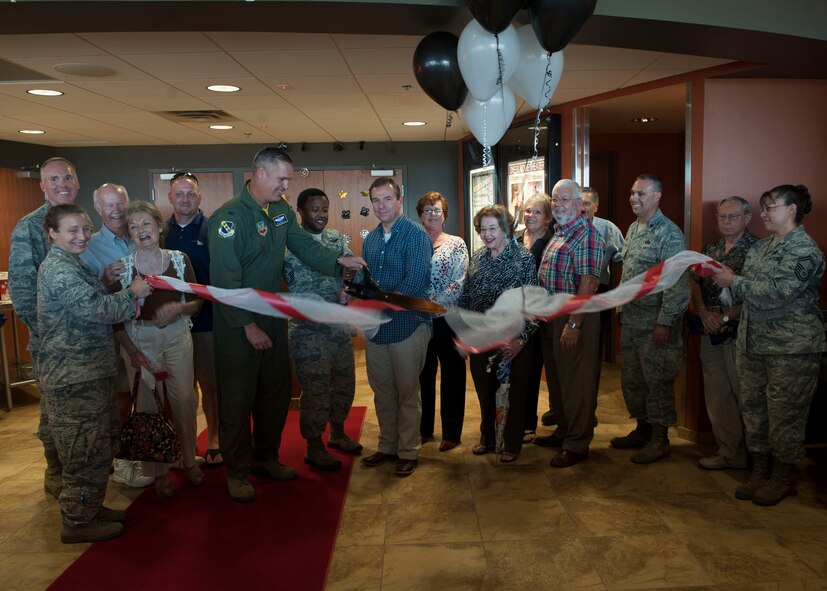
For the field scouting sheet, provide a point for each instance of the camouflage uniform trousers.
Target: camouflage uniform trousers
(648, 372)
(81, 418)
(44, 430)
(323, 357)
(776, 392)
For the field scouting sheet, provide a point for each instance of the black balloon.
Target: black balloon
(436, 69)
(495, 15)
(556, 22)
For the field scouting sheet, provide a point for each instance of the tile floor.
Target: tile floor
(465, 522)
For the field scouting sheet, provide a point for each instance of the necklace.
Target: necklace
(155, 266)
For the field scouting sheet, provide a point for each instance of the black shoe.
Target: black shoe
(378, 459)
(567, 458)
(405, 467)
(548, 441)
(548, 419)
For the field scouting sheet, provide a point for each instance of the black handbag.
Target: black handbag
(149, 436)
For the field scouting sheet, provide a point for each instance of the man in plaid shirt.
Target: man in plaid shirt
(571, 344)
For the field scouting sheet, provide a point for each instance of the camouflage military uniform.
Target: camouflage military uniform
(29, 246)
(780, 341)
(648, 373)
(322, 353)
(76, 361)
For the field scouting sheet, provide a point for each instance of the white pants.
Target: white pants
(171, 348)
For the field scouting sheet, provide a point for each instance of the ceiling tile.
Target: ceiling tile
(13, 46)
(595, 79)
(129, 89)
(412, 98)
(46, 65)
(376, 41)
(391, 60)
(313, 85)
(343, 101)
(372, 83)
(276, 64)
(150, 42)
(238, 41)
(186, 103)
(198, 87)
(593, 57)
(232, 102)
(183, 66)
(650, 75)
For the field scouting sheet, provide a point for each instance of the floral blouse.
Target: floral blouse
(448, 266)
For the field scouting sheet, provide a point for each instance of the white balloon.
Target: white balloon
(478, 62)
(529, 79)
(489, 120)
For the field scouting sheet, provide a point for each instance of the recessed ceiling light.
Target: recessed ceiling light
(32, 131)
(221, 126)
(44, 92)
(644, 119)
(414, 123)
(223, 88)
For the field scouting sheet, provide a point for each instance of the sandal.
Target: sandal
(529, 435)
(481, 449)
(507, 457)
(210, 458)
(163, 486)
(195, 475)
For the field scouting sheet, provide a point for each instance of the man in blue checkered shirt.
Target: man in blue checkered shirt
(398, 253)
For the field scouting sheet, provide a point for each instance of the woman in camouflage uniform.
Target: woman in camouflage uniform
(780, 341)
(76, 360)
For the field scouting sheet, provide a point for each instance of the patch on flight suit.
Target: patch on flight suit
(280, 220)
(262, 228)
(805, 267)
(227, 229)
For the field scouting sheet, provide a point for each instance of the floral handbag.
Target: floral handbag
(149, 436)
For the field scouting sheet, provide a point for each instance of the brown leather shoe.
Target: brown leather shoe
(548, 441)
(378, 459)
(405, 467)
(448, 445)
(567, 458)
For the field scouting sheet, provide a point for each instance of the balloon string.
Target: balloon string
(500, 62)
(486, 150)
(541, 107)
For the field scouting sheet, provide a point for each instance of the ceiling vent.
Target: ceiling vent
(211, 116)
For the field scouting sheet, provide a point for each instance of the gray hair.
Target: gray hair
(108, 187)
(595, 196)
(575, 189)
(736, 199)
(267, 157)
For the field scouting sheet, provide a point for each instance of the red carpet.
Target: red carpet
(201, 539)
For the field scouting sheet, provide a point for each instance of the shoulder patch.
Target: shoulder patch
(261, 226)
(226, 229)
(280, 220)
(805, 267)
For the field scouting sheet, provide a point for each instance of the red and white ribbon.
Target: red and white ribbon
(365, 314)
(478, 332)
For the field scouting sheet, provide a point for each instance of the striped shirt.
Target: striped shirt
(576, 249)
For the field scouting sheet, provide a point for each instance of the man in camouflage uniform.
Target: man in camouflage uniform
(322, 353)
(651, 339)
(76, 365)
(29, 246)
(717, 314)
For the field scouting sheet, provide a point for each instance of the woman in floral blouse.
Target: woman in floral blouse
(448, 265)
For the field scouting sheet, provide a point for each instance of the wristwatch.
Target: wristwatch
(573, 325)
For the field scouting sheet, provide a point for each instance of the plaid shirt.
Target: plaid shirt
(576, 249)
(402, 264)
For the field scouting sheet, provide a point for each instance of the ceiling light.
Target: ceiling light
(44, 92)
(32, 131)
(644, 119)
(223, 88)
(414, 123)
(221, 126)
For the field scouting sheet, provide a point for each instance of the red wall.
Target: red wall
(656, 153)
(763, 133)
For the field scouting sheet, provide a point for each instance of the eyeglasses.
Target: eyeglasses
(766, 208)
(733, 217)
(178, 175)
(430, 211)
(563, 200)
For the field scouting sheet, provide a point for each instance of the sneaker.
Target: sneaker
(273, 469)
(241, 490)
(718, 462)
(131, 474)
(96, 530)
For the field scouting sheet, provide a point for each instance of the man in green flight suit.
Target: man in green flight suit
(248, 235)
